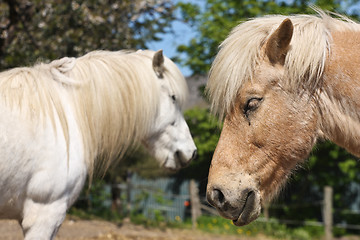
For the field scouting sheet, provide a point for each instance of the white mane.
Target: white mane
(239, 54)
(114, 96)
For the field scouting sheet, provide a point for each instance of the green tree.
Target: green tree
(51, 29)
(329, 165)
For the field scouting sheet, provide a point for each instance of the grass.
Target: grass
(209, 224)
(272, 229)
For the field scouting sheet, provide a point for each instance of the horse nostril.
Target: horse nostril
(178, 154)
(219, 196)
(250, 194)
(194, 155)
(216, 198)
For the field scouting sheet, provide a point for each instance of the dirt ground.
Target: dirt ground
(102, 230)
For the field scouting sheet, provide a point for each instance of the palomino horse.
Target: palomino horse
(64, 120)
(280, 83)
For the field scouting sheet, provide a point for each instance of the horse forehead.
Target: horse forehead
(262, 81)
(165, 87)
(264, 70)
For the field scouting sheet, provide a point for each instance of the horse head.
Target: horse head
(267, 131)
(169, 140)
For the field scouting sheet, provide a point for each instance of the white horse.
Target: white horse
(62, 121)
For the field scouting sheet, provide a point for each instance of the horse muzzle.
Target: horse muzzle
(180, 159)
(241, 208)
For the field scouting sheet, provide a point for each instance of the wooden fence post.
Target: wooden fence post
(195, 203)
(266, 211)
(327, 211)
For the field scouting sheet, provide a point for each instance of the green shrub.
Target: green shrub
(273, 229)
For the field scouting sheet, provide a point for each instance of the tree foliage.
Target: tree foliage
(51, 29)
(328, 165)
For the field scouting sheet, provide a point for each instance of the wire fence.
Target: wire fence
(173, 201)
(323, 207)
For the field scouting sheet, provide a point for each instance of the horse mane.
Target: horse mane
(239, 54)
(113, 95)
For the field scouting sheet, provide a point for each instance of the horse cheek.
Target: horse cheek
(228, 157)
(268, 137)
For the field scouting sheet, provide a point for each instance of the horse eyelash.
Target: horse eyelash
(247, 108)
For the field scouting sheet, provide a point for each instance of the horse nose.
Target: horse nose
(239, 203)
(218, 198)
(184, 158)
(231, 205)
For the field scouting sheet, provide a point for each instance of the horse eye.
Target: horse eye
(251, 105)
(173, 97)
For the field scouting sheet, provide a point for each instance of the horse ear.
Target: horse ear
(158, 63)
(278, 44)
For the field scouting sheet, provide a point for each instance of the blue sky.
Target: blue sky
(183, 33)
(169, 42)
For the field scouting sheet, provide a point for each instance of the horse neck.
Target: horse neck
(339, 104)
